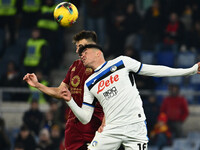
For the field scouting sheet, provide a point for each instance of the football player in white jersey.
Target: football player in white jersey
(112, 87)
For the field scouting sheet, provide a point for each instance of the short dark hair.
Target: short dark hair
(88, 35)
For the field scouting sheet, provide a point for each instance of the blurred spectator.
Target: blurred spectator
(4, 140)
(33, 117)
(35, 93)
(51, 32)
(176, 109)
(49, 120)
(145, 82)
(192, 41)
(46, 20)
(56, 137)
(57, 113)
(8, 11)
(153, 24)
(36, 53)
(151, 109)
(132, 26)
(116, 29)
(26, 139)
(160, 135)
(173, 36)
(196, 10)
(186, 17)
(44, 140)
(168, 6)
(131, 52)
(143, 5)
(95, 12)
(30, 13)
(12, 77)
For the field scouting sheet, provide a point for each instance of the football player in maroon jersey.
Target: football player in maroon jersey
(77, 135)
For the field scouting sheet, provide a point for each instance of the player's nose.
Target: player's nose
(77, 50)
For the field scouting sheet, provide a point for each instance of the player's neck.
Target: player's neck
(98, 64)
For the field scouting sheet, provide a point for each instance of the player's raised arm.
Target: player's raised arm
(164, 71)
(32, 80)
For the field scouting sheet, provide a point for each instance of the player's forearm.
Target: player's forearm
(84, 114)
(163, 71)
(51, 91)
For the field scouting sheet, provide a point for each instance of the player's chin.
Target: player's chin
(85, 63)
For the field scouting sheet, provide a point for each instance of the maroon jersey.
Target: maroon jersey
(77, 134)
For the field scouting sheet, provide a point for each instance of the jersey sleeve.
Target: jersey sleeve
(67, 77)
(164, 71)
(88, 98)
(132, 64)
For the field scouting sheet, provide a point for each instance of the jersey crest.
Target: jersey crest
(113, 68)
(75, 81)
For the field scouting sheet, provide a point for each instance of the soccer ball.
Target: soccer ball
(65, 14)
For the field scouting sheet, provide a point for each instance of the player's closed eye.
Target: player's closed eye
(79, 46)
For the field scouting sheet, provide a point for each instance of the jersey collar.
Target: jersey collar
(100, 67)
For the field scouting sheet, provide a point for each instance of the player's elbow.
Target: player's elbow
(86, 115)
(85, 120)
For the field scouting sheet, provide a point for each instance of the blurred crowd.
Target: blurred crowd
(39, 130)
(32, 40)
(151, 31)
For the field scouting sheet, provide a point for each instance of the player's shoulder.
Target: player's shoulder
(77, 63)
(116, 59)
(122, 58)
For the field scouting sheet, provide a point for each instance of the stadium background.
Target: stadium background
(138, 28)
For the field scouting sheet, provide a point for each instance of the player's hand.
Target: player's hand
(198, 71)
(103, 124)
(31, 79)
(65, 94)
(100, 129)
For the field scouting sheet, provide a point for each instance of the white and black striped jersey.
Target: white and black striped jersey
(115, 91)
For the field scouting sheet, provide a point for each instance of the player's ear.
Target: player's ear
(98, 53)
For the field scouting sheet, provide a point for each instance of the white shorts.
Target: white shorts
(133, 137)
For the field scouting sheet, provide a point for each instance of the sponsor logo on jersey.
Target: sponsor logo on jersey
(94, 81)
(73, 69)
(94, 143)
(75, 81)
(110, 93)
(106, 83)
(104, 74)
